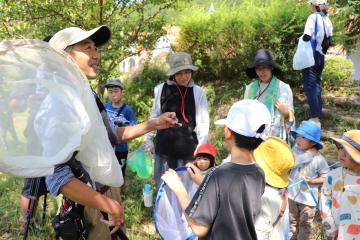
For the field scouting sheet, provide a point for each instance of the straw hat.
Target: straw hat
(275, 157)
(351, 142)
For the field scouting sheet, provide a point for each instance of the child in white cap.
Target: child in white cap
(229, 198)
(340, 194)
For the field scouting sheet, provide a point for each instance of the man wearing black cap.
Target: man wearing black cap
(82, 47)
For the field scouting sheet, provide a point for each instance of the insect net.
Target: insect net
(47, 112)
(170, 222)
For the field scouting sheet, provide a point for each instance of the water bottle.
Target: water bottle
(280, 123)
(147, 192)
(282, 99)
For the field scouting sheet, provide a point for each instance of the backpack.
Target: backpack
(69, 224)
(326, 43)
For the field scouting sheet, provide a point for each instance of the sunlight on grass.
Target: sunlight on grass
(139, 219)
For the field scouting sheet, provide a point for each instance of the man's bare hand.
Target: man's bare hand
(116, 217)
(166, 120)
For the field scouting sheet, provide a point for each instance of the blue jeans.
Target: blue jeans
(312, 85)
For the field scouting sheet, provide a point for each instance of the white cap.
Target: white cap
(245, 117)
(318, 2)
(72, 35)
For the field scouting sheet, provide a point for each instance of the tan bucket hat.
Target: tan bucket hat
(276, 159)
(180, 61)
(351, 142)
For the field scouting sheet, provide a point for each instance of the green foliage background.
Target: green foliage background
(131, 22)
(337, 71)
(223, 43)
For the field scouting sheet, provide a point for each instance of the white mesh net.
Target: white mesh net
(48, 111)
(169, 219)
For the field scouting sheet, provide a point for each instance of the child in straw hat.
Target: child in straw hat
(275, 157)
(340, 194)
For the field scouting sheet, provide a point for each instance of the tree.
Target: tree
(348, 15)
(133, 22)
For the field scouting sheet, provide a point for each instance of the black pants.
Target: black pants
(122, 157)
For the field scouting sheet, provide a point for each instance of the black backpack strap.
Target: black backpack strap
(121, 109)
(99, 104)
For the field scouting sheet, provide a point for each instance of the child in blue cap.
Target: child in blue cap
(311, 166)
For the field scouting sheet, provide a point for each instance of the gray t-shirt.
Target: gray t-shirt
(228, 200)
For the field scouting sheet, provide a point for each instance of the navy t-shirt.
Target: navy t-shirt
(228, 200)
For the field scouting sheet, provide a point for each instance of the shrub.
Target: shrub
(338, 71)
(223, 43)
(139, 89)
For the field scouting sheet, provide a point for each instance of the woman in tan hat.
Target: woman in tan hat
(179, 93)
(340, 194)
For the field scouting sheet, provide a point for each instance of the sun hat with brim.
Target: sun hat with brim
(245, 117)
(276, 159)
(115, 83)
(351, 142)
(263, 57)
(72, 35)
(309, 130)
(180, 61)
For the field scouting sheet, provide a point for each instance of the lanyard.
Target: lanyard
(183, 101)
(261, 92)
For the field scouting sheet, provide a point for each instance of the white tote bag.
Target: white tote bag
(304, 55)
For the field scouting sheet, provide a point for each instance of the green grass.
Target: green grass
(139, 219)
